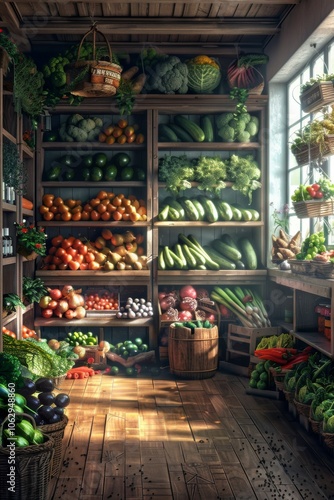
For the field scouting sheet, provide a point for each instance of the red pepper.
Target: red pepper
(271, 357)
(295, 361)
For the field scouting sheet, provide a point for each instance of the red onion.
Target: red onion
(70, 314)
(188, 304)
(66, 290)
(55, 293)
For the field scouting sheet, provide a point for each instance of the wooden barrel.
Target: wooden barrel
(193, 353)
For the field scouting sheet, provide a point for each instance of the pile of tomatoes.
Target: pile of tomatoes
(101, 300)
(26, 333)
(122, 133)
(105, 206)
(69, 253)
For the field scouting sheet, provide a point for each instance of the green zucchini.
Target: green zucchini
(191, 261)
(189, 126)
(223, 262)
(237, 215)
(161, 261)
(249, 256)
(255, 214)
(169, 261)
(163, 214)
(200, 259)
(173, 214)
(226, 250)
(211, 212)
(199, 207)
(227, 238)
(190, 210)
(207, 126)
(181, 133)
(224, 209)
(178, 251)
(178, 263)
(166, 131)
(193, 243)
(246, 214)
(172, 202)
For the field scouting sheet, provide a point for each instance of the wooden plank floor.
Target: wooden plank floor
(165, 438)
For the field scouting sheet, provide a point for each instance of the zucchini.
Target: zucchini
(181, 133)
(179, 253)
(169, 261)
(200, 259)
(161, 261)
(163, 214)
(224, 263)
(172, 202)
(193, 243)
(246, 214)
(191, 261)
(237, 215)
(226, 250)
(189, 126)
(166, 131)
(190, 210)
(224, 209)
(249, 256)
(207, 126)
(255, 214)
(227, 238)
(178, 263)
(199, 207)
(211, 212)
(173, 214)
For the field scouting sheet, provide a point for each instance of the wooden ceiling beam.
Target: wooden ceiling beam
(154, 26)
(11, 19)
(180, 2)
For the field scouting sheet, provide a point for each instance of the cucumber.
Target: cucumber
(249, 256)
(190, 210)
(211, 212)
(207, 126)
(224, 209)
(227, 238)
(181, 133)
(173, 214)
(161, 261)
(193, 243)
(178, 263)
(240, 265)
(237, 215)
(191, 261)
(179, 253)
(169, 261)
(246, 214)
(224, 263)
(166, 131)
(255, 214)
(226, 250)
(200, 259)
(172, 202)
(189, 126)
(199, 207)
(163, 214)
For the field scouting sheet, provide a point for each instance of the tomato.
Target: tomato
(47, 200)
(56, 260)
(66, 258)
(48, 216)
(117, 132)
(93, 266)
(85, 215)
(73, 265)
(110, 140)
(127, 174)
(66, 216)
(58, 201)
(128, 131)
(89, 257)
(117, 215)
(60, 252)
(83, 266)
(319, 194)
(95, 215)
(79, 258)
(109, 130)
(101, 208)
(310, 191)
(83, 249)
(316, 187)
(121, 139)
(99, 160)
(57, 240)
(76, 216)
(121, 160)
(72, 251)
(77, 243)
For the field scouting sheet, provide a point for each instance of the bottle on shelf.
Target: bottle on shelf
(7, 243)
(4, 244)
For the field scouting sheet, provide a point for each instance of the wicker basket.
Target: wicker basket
(315, 425)
(302, 409)
(58, 380)
(302, 267)
(32, 468)
(289, 396)
(328, 438)
(56, 432)
(315, 97)
(313, 208)
(311, 152)
(94, 78)
(324, 270)
(278, 378)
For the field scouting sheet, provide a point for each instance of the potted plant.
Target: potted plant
(31, 240)
(33, 289)
(317, 92)
(10, 302)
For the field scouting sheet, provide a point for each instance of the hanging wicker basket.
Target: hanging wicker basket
(315, 425)
(96, 78)
(312, 152)
(313, 208)
(319, 95)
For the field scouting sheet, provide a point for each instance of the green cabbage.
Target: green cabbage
(203, 78)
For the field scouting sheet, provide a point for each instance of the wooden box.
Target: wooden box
(97, 354)
(242, 340)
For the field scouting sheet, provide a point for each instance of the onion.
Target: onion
(161, 295)
(70, 314)
(188, 291)
(61, 308)
(80, 312)
(53, 304)
(185, 315)
(66, 290)
(45, 301)
(167, 302)
(55, 293)
(75, 300)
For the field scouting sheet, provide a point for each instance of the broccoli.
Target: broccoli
(238, 125)
(74, 119)
(227, 133)
(243, 136)
(246, 117)
(223, 119)
(77, 133)
(244, 173)
(252, 128)
(10, 368)
(168, 76)
(98, 121)
(86, 124)
(93, 134)
(63, 134)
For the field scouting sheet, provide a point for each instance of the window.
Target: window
(322, 63)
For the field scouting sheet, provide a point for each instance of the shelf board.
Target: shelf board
(93, 223)
(7, 261)
(211, 277)
(28, 308)
(111, 321)
(304, 283)
(316, 340)
(123, 278)
(8, 319)
(27, 152)
(27, 213)
(88, 184)
(208, 146)
(92, 146)
(228, 184)
(8, 207)
(209, 224)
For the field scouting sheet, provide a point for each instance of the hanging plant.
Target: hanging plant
(29, 95)
(10, 49)
(15, 173)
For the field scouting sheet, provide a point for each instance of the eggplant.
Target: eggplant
(46, 398)
(28, 387)
(44, 384)
(46, 412)
(62, 400)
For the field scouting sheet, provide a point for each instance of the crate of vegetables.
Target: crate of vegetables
(102, 301)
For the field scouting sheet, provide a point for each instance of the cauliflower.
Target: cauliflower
(74, 119)
(168, 76)
(63, 133)
(227, 133)
(86, 124)
(93, 134)
(98, 121)
(77, 133)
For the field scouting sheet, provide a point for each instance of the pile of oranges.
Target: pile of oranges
(106, 206)
(122, 133)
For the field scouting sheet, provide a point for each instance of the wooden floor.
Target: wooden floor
(164, 438)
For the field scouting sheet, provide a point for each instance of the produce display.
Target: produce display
(105, 206)
(121, 133)
(165, 74)
(203, 208)
(101, 299)
(187, 304)
(63, 303)
(136, 308)
(211, 173)
(204, 74)
(285, 247)
(312, 246)
(221, 253)
(240, 128)
(246, 304)
(79, 338)
(321, 190)
(110, 251)
(25, 332)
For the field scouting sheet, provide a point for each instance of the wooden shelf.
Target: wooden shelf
(208, 146)
(316, 340)
(87, 184)
(308, 284)
(82, 146)
(209, 224)
(83, 278)
(111, 321)
(211, 277)
(93, 223)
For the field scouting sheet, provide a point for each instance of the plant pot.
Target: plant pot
(315, 97)
(27, 254)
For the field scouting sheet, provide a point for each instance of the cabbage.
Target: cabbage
(203, 78)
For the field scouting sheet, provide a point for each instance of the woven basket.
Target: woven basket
(58, 380)
(278, 378)
(324, 270)
(302, 409)
(315, 425)
(289, 396)
(311, 152)
(95, 78)
(56, 432)
(328, 439)
(301, 266)
(315, 97)
(313, 208)
(32, 468)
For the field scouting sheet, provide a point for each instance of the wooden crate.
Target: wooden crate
(241, 340)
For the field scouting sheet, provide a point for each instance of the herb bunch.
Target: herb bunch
(33, 289)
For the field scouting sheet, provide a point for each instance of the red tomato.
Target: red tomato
(319, 194)
(66, 258)
(56, 240)
(73, 265)
(72, 251)
(316, 187)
